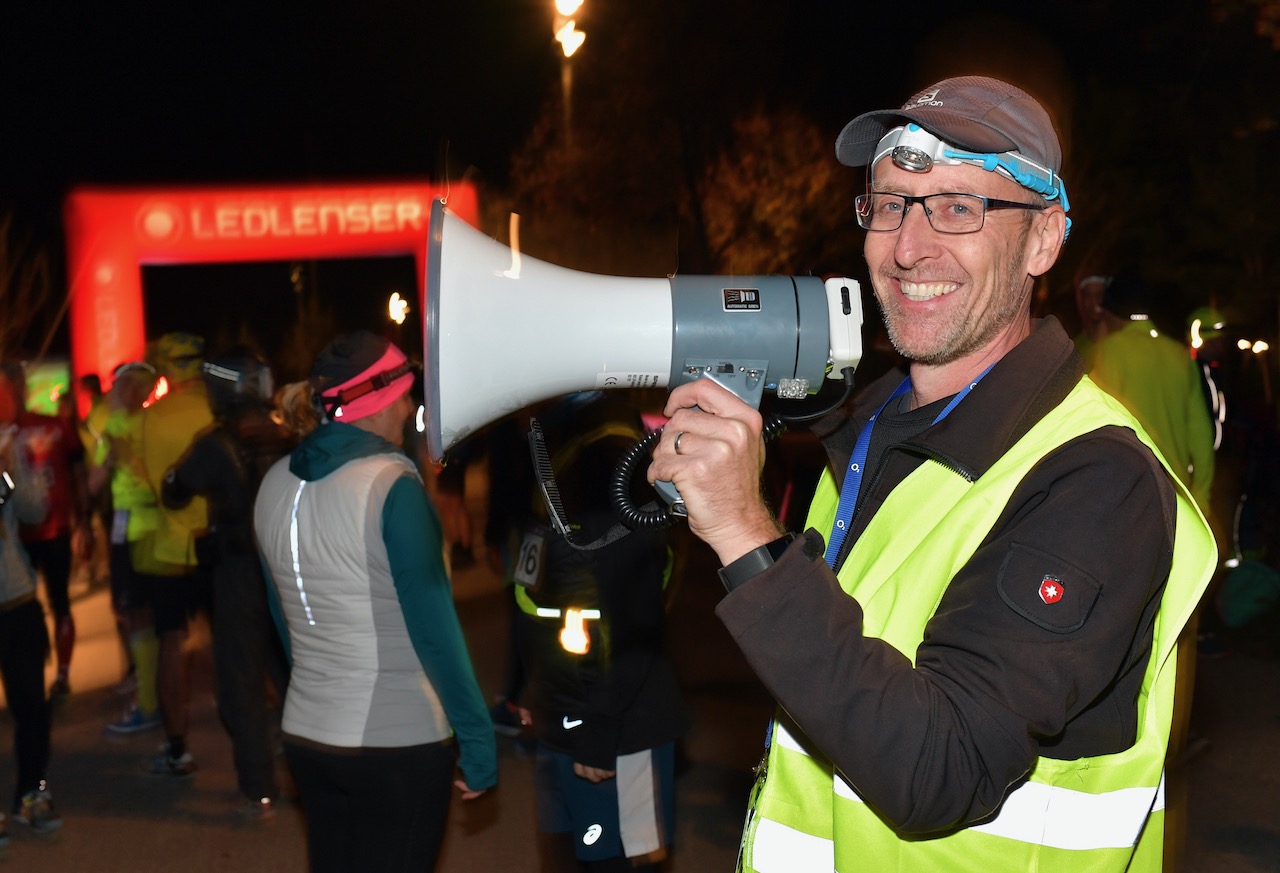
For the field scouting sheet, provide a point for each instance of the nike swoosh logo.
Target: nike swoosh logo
(570, 723)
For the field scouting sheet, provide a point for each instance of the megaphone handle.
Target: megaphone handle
(748, 394)
(675, 503)
(651, 516)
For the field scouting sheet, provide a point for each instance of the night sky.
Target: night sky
(134, 93)
(131, 92)
(143, 93)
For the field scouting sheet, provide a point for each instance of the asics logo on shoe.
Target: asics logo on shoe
(592, 834)
(570, 723)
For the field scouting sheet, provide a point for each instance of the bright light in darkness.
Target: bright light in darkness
(570, 38)
(397, 307)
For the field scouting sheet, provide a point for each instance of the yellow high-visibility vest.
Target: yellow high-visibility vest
(1104, 813)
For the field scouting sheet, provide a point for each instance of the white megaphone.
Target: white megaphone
(504, 331)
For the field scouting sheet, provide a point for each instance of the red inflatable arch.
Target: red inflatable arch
(111, 233)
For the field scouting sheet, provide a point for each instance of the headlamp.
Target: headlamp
(912, 148)
(916, 150)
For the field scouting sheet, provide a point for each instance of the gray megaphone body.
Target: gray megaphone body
(504, 331)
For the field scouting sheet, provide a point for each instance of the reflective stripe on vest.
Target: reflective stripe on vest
(528, 607)
(525, 601)
(295, 551)
(1049, 815)
(1103, 813)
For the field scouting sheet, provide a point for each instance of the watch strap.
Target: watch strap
(754, 562)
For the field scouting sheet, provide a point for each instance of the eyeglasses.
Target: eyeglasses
(947, 213)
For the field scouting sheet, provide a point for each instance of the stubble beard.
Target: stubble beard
(966, 331)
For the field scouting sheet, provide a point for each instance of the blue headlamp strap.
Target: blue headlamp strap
(1026, 173)
(915, 149)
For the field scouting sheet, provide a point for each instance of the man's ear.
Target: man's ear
(1044, 243)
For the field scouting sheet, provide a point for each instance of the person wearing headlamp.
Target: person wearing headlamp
(383, 703)
(972, 645)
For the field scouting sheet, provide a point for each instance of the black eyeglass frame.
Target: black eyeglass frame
(988, 203)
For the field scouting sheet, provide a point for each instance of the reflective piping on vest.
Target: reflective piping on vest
(528, 607)
(780, 849)
(1049, 815)
(552, 612)
(1072, 820)
(1035, 813)
(296, 553)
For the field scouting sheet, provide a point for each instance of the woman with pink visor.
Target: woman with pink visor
(383, 702)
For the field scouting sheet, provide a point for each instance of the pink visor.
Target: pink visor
(373, 390)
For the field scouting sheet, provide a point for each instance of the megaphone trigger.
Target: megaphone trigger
(675, 503)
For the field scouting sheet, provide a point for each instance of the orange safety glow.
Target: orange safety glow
(112, 233)
(573, 637)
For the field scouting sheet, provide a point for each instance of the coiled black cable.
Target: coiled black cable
(652, 516)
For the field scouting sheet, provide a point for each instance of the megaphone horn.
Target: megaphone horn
(503, 333)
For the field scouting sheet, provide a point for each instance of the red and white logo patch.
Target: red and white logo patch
(1051, 589)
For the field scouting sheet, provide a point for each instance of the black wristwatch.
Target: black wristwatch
(754, 562)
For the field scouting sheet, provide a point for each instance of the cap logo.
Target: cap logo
(928, 98)
(1051, 589)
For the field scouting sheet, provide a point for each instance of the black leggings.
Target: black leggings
(54, 558)
(24, 643)
(373, 809)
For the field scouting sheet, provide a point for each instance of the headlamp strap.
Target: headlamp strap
(1042, 180)
(376, 382)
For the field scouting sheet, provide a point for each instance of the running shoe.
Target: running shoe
(165, 764)
(36, 811)
(134, 721)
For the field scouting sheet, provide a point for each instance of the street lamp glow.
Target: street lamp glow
(568, 7)
(570, 38)
(1260, 346)
(397, 307)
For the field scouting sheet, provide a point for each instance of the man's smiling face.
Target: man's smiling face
(945, 296)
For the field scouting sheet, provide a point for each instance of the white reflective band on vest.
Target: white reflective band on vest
(296, 553)
(1035, 813)
(1066, 819)
(553, 612)
(780, 849)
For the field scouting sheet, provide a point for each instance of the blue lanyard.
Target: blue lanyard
(858, 462)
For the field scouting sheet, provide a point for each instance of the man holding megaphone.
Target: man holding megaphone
(973, 643)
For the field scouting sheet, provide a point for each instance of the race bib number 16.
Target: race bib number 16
(533, 550)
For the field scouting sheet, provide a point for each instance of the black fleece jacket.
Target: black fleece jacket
(622, 695)
(937, 745)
